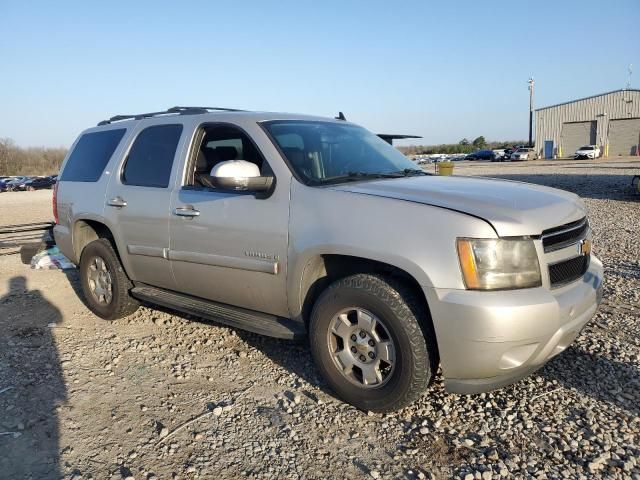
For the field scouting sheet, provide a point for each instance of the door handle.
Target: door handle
(186, 212)
(117, 202)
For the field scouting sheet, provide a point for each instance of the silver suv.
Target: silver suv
(299, 226)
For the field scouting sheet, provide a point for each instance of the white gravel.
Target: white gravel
(158, 395)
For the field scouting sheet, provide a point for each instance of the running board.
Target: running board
(257, 322)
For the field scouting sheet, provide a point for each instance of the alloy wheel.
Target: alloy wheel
(361, 347)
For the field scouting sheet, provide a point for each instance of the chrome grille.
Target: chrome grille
(567, 271)
(564, 235)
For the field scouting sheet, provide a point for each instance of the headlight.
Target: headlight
(498, 264)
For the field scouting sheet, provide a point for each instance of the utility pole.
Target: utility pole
(531, 83)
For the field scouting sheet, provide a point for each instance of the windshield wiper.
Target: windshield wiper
(356, 176)
(375, 174)
(412, 172)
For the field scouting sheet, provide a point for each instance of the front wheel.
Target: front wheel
(371, 339)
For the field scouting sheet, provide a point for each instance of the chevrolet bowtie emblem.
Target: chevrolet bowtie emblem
(584, 247)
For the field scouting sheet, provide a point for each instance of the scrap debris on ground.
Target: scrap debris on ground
(160, 395)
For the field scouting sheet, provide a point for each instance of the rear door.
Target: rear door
(138, 202)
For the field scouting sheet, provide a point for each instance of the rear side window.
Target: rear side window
(91, 155)
(151, 157)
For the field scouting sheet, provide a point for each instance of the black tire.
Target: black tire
(407, 322)
(121, 304)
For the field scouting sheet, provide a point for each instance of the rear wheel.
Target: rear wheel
(368, 339)
(104, 282)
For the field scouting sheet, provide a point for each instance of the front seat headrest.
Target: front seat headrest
(227, 153)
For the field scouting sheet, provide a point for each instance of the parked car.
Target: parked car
(499, 154)
(16, 183)
(524, 153)
(38, 183)
(482, 155)
(242, 217)
(587, 151)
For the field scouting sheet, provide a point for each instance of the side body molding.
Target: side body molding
(250, 264)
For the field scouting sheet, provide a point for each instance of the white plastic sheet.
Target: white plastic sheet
(51, 259)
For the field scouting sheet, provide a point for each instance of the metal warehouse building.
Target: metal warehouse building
(611, 120)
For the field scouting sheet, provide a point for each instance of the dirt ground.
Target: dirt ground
(161, 395)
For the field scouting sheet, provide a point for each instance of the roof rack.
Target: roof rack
(169, 111)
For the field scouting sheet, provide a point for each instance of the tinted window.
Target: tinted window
(151, 157)
(91, 155)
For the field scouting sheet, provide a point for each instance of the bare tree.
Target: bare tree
(15, 160)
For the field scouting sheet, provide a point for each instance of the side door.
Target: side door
(138, 203)
(230, 247)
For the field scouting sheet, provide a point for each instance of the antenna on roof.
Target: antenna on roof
(341, 116)
(630, 73)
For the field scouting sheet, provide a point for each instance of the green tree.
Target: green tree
(464, 141)
(479, 142)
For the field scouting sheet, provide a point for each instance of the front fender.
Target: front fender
(416, 238)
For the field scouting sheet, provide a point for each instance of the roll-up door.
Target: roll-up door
(624, 136)
(575, 135)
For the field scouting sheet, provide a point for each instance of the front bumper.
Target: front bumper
(488, 340)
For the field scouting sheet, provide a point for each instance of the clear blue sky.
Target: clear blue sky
(443, 70)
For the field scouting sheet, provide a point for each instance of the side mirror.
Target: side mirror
(243, 184)
(241, 176)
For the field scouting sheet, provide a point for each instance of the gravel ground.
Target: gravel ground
(159, 395)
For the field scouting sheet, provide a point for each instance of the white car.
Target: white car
(588, 151)
(524, 153)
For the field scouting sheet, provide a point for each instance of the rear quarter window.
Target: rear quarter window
(91, 155)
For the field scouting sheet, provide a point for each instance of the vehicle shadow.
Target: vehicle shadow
(585, 372)
(31, 384)
(598, 186)
(293, 356)
(73, 277)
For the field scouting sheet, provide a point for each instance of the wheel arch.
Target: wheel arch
(323, 269)
(86, 230)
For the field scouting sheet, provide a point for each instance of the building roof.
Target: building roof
(592, 96)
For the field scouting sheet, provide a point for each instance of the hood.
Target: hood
(512, 208)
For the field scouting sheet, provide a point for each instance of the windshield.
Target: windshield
(586, 147)
(328, 152)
